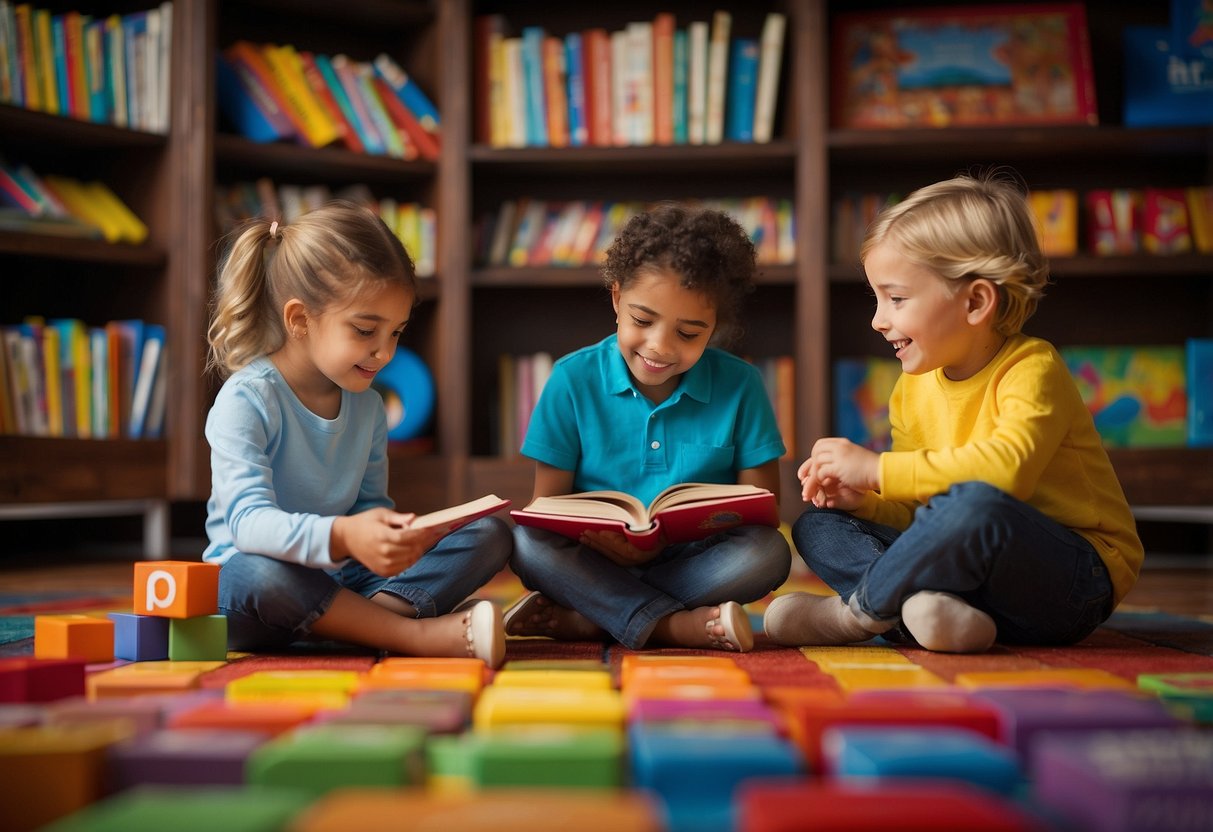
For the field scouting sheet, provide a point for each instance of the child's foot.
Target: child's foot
(722, 627)
(800, 619)
(536, 615)
(944, 623)
(475, 632)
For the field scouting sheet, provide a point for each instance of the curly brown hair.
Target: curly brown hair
(707, 248)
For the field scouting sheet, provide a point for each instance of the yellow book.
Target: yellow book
(318, 126)
(45, 51)
(83, 379)
(52, 373)
(83, 206)
(133, 229)
(28, 50)
(1200, 217)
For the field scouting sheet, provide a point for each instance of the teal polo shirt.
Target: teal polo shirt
(592, 420)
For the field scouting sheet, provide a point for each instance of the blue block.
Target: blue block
(140, 638)
(941, 753)
(686, 767)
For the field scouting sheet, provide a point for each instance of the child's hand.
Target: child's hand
(838, 474)
(615, 546)
(381, 540)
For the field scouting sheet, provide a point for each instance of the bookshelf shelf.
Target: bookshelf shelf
(50, 247)
(236, 156)
(774, 157)
(590, 277)
(42, 470)
(21, 125)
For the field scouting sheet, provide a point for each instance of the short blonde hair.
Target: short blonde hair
(971, 227)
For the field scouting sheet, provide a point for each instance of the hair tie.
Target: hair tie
(274, 230)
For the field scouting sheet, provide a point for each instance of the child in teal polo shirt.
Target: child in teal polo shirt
(648, 407)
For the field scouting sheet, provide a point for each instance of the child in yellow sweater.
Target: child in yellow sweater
(996, 515)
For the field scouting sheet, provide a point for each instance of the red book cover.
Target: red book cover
(687, 511)
(663, 78)
(404, 119)
(596, 44)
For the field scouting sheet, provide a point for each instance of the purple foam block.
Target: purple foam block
(1158, 780)
(140, 638)
(1024, 714)
(706, 712)
(186, 756)
(433, 717)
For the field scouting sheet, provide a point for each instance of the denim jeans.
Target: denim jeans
(271, 603)
(1041, 582)
(742, 564)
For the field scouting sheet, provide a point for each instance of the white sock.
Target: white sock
(802, 619)
(944, 623)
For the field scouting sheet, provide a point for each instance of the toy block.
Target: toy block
(121, 681)
(318, 689)
(326, 757)
(73, 636)
(435, 717)
(1117, 781)
(502, 810)
(465, 675)
(634, 661)
(198, 639)
(176, 589)
(939, 806)
(267, 718)
(1025, 714)
(745, 715)
(20, 716)
(548, 756)
(811, 721)
(140, 638)
(589, 680)
(448, 764)
(51, 771)
(1189, 695)
(638, 689)
(686, 674)
(576, 706)
(886, 677)
(190, 809)
(40, 680)
(1051, 677)
(556, 664)
(144, 717)
(851, 656)
(407, 698)
(690, 768)
(184, 757)
(876, 754)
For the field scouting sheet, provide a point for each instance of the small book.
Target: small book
(687, 511)
(449, 519)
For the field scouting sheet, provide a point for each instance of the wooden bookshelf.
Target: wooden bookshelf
(813, 309)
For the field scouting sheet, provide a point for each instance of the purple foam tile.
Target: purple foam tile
(1025, 714)
(144, 717)
(1158, 780)
(185, 756)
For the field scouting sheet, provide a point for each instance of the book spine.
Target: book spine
(383, 122)
(770, 62)
(115, 50)
(427, 145)
(535, 103)
(409, 91)
(743, 76)
(678, 101)
(555, 91)
(11, 90)
(599, 95)
(44, 39)
(320, 90)
(324, 66)
(23, 14)
(574, 57)
(347, 73)
(718, 73)
(315, 124)
(697, 80)
(663, 78)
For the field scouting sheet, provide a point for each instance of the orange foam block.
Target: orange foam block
(267, 718)
(1085, 678)
(465, 675)
(635, 661)
(73, 636)
(176, 589)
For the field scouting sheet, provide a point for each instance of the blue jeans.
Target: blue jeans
(271, 603)
(1041, 582)
(742, 564)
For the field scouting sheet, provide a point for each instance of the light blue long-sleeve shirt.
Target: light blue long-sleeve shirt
(280, 474)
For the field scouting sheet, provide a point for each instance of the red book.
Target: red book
(315, 80)
(249, 62)
(596, 44)
(687, 511)
(663, 78)
(486, 29)
(404, 119)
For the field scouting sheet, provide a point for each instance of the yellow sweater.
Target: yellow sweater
(1020, 425)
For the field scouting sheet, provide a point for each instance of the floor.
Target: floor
(1171, 587)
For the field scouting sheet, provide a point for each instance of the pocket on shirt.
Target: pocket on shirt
(705, 463)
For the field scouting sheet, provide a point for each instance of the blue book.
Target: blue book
(134, 31)
(1162, 88)
(254, 114)
(145, 372)
(574, 58)
(96, 63)
(741, 91)
(681, 67)
(1200, 392)
(59, 47)
(532, 80)
(409, 92)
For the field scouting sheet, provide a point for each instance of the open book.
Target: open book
(452, 518)
(687, 511)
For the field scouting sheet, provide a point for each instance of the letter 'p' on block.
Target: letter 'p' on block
(176, 589)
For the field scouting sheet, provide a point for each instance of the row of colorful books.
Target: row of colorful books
(62, 377)
(1139, 396)
(1117, 221)
(63, 206)
(521, 378)
(416, 225)
(110, 70)
(653, 82)
(270, 92)
(533, 232)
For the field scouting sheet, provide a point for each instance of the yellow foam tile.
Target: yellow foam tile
(315, 681)
(885, 678)
(588, 679)
(197, 667)
(421, 680)
(578, 706)
(849, 656)
(1049, 677)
